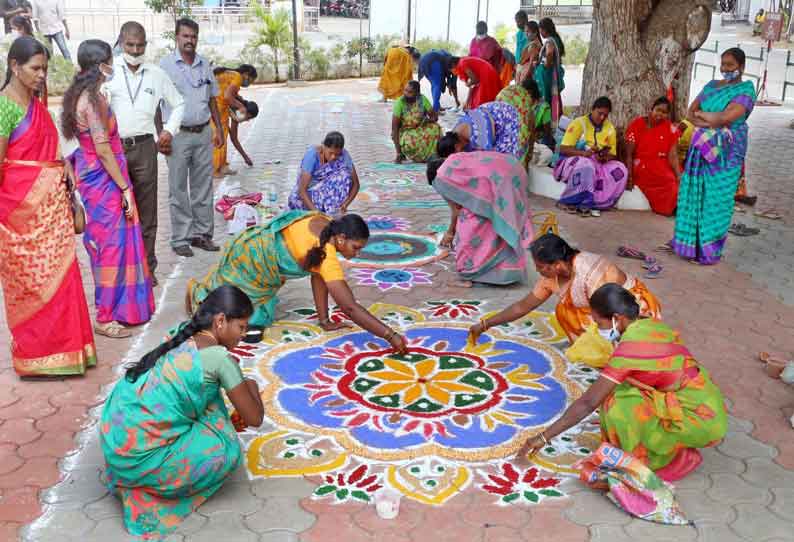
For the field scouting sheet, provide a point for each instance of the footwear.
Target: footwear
(583, 212)
(113, 329)
(595, 212)
(649, 262)
(769, 214)
(665, 247)
(654, 271)
(746, 200)
(204, 243)
(627, 251)
(742, 230)
(183, 250)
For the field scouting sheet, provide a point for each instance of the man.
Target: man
(487, 48)
(190, 162)
(135, 93)
(10, 9)
(50, 18)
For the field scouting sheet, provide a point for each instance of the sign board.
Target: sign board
(773, 27)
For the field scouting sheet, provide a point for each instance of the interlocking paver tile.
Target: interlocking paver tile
(279, 513)
(755, 522)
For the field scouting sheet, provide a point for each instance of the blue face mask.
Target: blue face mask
(731, 76)
(611, 335)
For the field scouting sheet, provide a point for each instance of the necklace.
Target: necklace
(208, 334)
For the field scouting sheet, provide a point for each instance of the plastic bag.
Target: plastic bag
(245, 216)
(590, 348)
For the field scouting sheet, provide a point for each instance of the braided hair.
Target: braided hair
(550, 248)
(351, 226)
(90, 55)
(228, 300)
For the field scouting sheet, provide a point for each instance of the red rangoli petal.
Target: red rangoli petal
(510, 472)
(357, 474)
(498, 490)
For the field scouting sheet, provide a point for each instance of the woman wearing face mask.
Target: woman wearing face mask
(293, 245)
(166, 435)
(228, 100)
(530, 53)
(594, 176)
(327, 180)
(573, 276)
(714, 163)
(123, 284)
(652, 157)
(414, 127)
(655, 401)
(250, 112)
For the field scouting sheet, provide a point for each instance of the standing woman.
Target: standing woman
(229, 83)
(45, 304)
(414, 126)
(652, 157)
(398, 69)
(530, 54)
(123, 284)
(714, 162)
(481, 78)
(549, 73)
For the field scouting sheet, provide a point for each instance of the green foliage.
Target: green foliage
(60, 73)
(505, 35)
(175, 8)
(381, 45)
(273, 31)
(426, 44)
(575, 50)
(360, 47)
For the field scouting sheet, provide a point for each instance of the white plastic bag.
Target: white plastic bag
(245, 216)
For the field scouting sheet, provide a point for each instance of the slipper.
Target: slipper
(113, 330)
(746, 200)
(770, 214)
(649, 262)
(665, 247)
(766, 357)
(739, 209)
(742, 230)
(567, 208)
(628, 251)
(583, 212)
(595, 212)
(654, 271)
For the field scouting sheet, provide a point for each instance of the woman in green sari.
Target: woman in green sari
(714, 163)
(656, 402)
(523, 97)
(414, 126)
(549, 74)
(293, 245)
(166, 435)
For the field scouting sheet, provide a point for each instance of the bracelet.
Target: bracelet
(484, 323)
(125, 188)
(543, 438)
(389, 335)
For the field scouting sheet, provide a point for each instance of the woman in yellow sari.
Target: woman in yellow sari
(573, 276)
(398, 69)
(229, 84)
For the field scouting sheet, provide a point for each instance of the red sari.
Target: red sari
(652, 171)
(42, 286)
(489, 82)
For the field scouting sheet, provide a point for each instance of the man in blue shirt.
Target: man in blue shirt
(190, 161)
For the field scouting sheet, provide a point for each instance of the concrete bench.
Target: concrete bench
(542, 183)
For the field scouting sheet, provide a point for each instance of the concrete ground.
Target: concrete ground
(50, 461)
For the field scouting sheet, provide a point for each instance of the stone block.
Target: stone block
(231, 497)
(752, 519)
(591, 507)
(280, 513)
(729, 489)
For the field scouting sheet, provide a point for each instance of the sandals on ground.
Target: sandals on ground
(743, 230)
(628, 251)
(113, 329)
(665, 247)
(654, 271)
(769, 214)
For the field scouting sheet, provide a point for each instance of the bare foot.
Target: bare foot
(461, 284)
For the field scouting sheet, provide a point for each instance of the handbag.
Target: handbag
(76, 206)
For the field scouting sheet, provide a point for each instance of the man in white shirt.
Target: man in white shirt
(135, 92)
(50, 18)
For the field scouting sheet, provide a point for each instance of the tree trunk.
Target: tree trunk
(275, 63)
(638, 48)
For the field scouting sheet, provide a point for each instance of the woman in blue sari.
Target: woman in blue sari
(493, 126)
(714, 163)
(327, 181)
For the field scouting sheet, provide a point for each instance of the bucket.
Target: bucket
(387, 503)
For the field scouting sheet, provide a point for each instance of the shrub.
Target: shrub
(426, 44)
(575, 50)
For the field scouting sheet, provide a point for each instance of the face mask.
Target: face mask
(481, 36)
(531, 36)
(611, 335)
(730, 76)
(246, 82)
(410, 100)
(133, 60)
(108, 76)
(240, 116)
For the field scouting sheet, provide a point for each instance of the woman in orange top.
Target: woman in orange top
(574, 276)
(229, 83)
(481, 78)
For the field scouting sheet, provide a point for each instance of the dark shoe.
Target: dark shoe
(204, 243)
(155, 283)
(183, 250)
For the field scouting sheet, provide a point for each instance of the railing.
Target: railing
(581, 12)
(786, 82)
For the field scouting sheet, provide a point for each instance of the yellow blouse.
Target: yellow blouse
(299, 240)
(581, 129)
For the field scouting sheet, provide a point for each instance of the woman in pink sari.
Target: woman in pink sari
(43, 290)
(491, 222)
(123, 284)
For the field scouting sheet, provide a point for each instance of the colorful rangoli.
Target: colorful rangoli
(446, 417)
(398, 249)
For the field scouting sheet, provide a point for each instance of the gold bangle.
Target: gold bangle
(484, 323)
(543, 438)
(389, 335)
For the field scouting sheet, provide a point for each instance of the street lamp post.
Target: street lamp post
(295, 50)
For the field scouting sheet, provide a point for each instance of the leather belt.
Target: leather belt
(134, 140)
(197, 129)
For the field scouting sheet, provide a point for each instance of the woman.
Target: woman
(294, 245)
(480, 77)
(20, 26)
(549, 73)
(491, 221)
(327, 181)
(486, 47)
(398, 69)
(594, 176)
(229, 101)
(530, 54)
(655, 401)
(573, 276)
(436, 65)
(165, 432)
(714, 163)
(652, 157)
(523, 98)
(45, 304)
(414, 126)
(123, 284)
(508, 67)
(491, 127)
(236, 118)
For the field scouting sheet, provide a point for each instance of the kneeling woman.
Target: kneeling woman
(414, 126)
(494, 126)
(491, 222)
(327, 181)
(296, 244)
(165, 432)
(573, 276)
(595, 177)
(655, 401)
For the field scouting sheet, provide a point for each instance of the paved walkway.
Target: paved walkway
(743, 491)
